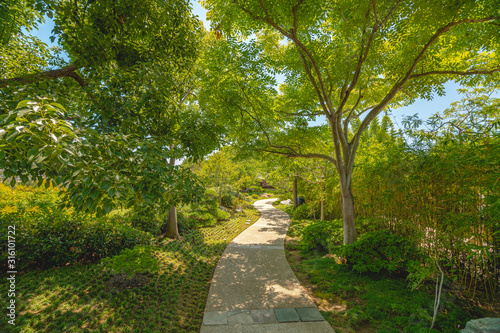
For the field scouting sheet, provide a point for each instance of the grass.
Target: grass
(92, 298)
(353, 302)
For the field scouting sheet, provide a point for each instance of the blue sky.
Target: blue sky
(423, 108)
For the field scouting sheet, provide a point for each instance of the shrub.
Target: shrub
(228, 200)
(324, 235)
(255, 188)
(380, 251)
(185, 222)
(139, 260)
(241, 203)
(59, 239)
(302, 212)
(152, 223)
(222, 215)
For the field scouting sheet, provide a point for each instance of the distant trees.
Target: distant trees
(347, 61)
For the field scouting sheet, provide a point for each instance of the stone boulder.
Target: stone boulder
(483, 325)
(224, 209)
(286, 202)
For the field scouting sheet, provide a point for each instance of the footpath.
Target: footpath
(254, 290)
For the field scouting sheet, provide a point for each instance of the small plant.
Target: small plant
(139, 260)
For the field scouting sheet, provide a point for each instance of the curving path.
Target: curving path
(254, 290)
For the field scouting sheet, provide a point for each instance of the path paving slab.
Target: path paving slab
(253, 288)
(309, 314)
(286, 315)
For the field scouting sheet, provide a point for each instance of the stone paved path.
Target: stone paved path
(254, 290)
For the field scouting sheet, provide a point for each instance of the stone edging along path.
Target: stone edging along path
(254, 289)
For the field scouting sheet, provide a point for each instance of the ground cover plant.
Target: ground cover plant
(160, 288)
(376, 299)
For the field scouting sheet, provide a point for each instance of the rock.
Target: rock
(286, 202)
(223, 209)
(301, 201)
(483, 325)
(238, 210)
(265, 195)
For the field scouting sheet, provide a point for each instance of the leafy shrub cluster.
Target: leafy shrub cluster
(152, 221)
(228, 200)
(59, 239)
(380, 251)
(139, 260)
(205, 212)
(375, 250)
(49, 236)
(322, 235)
(302, 212)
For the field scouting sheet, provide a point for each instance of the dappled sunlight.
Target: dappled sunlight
(253, 272)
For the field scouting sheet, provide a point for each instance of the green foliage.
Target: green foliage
(380, 251)
(302, 212)
(228, 200)
(53, 237)
(322, 235)
(381, 303)
(97, 297)
(151, 221)
(101, 171)
(58, 239)
(139, 260)
(222, 215)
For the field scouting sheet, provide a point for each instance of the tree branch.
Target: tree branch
(325, 157)
(473, 72)
(400, 84)
(68, 71)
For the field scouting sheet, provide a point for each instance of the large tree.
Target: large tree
(124, 92)
(350, 60)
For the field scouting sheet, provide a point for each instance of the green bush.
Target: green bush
(139, 260)
(228, 200)
(302, 212)
(380, 251)
(324, 235)
(222, 215)
(241, 203)
(255, 188)
(151, 223)
(59, 239)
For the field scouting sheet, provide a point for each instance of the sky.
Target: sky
(423, 108)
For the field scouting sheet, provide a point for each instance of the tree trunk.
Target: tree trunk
(350, 235)
(322, 217)
(294, 192)
(172, 230)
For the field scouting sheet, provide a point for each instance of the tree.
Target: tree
(127, 113)
(218, 171)
(350, 60)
